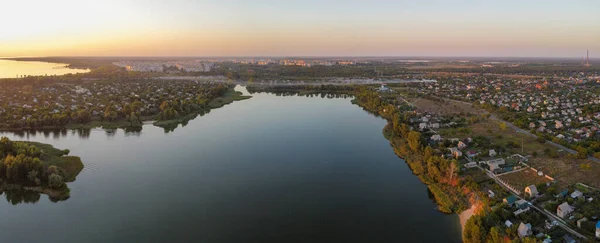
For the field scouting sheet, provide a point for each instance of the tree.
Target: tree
(494, 236)
(502, 126)
(55, 181)
(414, 140)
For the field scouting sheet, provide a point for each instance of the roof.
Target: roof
(533, 189)
(598, 225)
(565, 207)
(511, 199)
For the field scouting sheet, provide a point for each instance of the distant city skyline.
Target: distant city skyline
(301, 28)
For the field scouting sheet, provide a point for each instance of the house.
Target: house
(492, 153)
(508, 223)
(422, 126)
(472, 154)
(435, 125)
(531, 191)
(510, 200)
(563, 193)
(491, 194)
(461, 145)
(455, 152)
(495, 163)
(564, 210)
(522, 204)
(524, 230)
(471, 165)
(576, 194)
(436, 138)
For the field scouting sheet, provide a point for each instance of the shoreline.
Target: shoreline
(464, 216)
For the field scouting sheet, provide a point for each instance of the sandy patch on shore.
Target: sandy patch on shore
(466, 215)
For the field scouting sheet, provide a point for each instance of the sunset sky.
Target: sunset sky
(544, 28)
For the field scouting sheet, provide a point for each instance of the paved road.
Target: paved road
(551, 216)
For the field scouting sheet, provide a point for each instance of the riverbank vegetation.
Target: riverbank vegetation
(37, 167)
(454, 189)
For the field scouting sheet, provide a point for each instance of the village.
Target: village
(56, 105)
(516, 171)
(563, 109)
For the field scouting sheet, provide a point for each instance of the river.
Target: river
(267, 169)
(14, 69)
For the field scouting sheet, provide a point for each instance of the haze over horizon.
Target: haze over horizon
(301, 28)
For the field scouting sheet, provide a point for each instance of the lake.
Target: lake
(267, 169)
(12, 69)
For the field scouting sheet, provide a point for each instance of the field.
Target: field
(568, 170)
(445, 106)
(523, 178)
(492, 130)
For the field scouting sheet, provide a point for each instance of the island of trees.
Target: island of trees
(36, 168)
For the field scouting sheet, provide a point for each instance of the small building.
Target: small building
(580, 221)
(491, 194)
(436, 138)
(510, 200)
(564, 210)
(508, 223)
(576, 194)
(524, 230)
(531, 191)
(461, 145)
(492, 153)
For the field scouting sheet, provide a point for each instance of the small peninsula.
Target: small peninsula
(37, 167)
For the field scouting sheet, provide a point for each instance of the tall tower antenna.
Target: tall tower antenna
(587, 59)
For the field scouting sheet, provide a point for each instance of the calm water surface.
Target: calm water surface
(267, 169)
(12, 69)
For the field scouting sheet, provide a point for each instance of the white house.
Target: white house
(564, 210)
(492, 153)
(531, 191)
(508, 223)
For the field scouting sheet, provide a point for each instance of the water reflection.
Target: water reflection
(83, 133)
(15, 197)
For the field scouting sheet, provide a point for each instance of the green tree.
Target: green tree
(55, 181)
